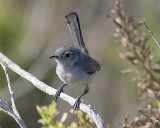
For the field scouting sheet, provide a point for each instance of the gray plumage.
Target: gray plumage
(75, 67)
(74, 64)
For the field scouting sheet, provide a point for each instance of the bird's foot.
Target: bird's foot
(76, 104)
(58, 93)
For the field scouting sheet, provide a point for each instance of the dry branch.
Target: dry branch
(89, 110)
(12, 112)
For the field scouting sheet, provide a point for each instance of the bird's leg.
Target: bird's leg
(59, 91)
(78, 99)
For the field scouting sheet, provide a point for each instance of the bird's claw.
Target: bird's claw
(58, 93)
(76, 104)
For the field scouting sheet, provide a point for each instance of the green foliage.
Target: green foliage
(156, 102)
(48, 114)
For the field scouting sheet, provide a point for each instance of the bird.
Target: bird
(74, 64)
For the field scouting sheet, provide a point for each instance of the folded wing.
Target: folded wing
(91, 65)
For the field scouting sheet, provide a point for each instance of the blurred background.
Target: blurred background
(31, 31)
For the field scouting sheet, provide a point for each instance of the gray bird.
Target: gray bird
(74, 64)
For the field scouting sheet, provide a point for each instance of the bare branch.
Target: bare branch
(150, 120)
(7, 112)
(12, 112)
(92, 113)
(10, 90)
(157, 118)
(145, 25)
(5, 105)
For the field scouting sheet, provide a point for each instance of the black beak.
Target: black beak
(54, 57)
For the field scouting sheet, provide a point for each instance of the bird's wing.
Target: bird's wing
(75, 30)
(91, 65)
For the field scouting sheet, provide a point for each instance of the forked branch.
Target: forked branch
(12, 112)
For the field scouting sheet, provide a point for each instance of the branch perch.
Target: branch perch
(89, 110)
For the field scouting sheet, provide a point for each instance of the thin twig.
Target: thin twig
(10, 90)
(157, 118)
(150, 120)
(12, 112)
(5, 111)
(5, 105)
(89, 110)
(145, 25)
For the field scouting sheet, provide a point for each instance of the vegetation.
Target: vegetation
(49, 113)
(140, 59)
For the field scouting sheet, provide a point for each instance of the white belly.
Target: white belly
(73, 76)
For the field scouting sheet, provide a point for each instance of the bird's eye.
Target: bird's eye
(67, 55)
